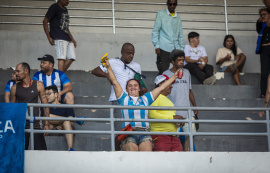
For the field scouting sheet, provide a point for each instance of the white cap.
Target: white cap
(159, 79)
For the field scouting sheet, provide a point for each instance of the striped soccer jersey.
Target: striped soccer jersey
(145, 100)
(57, 78)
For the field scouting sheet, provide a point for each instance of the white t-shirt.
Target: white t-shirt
(222, 52)
(194, 53)
(122, 73)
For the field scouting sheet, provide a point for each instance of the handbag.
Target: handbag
(126, 128)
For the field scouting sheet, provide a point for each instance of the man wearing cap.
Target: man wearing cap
(181, 94)
(59, 34)
(9, 84)
(49, 76)
(167, 35)
(164, 142)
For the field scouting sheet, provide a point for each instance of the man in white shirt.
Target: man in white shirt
(196, 60)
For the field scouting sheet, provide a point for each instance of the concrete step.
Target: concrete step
(231, 143)
(81, 143)
(227, 79)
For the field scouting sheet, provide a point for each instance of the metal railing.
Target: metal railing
(115, 21)
(112, 120)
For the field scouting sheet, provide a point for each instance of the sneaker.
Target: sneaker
(71, 149)
(81, 122)
(210, 81)
(233, 67)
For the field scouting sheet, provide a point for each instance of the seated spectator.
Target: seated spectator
(9, 84)
(231, 58)
(196, 60)
(132, 98)
(51, 93)
(50, 76)
(164, 142)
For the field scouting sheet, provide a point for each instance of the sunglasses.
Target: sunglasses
(172, 4)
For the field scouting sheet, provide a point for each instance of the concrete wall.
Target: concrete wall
(133, 162)
(25, 41)
(91, 47)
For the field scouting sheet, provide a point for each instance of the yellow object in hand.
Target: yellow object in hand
(103, 62)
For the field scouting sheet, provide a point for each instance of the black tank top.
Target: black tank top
(28, 95)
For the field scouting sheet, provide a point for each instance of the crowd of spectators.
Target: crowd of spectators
(173, 86)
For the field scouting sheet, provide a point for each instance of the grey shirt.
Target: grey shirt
(180, 92)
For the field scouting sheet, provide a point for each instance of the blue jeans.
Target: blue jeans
(137, 139)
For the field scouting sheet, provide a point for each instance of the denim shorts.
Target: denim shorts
(137, 139)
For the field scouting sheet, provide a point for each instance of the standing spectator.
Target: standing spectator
(164, 142)
(122, 68)
(266, 3)
(263, 46)
(167, 35)
(231, 58)
(30, 91)
(9, 84)
(181, 94)
(59, 34)
(52, 94)
(49, 76)
(196, 60)
(132, 98)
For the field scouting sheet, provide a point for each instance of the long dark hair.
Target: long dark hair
(234, 46)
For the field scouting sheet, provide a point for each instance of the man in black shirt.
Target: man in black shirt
(59, 34)
(27, 90)
(52, 94)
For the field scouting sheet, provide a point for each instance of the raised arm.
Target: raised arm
(99, 73)
(164, 85)
(111, 77)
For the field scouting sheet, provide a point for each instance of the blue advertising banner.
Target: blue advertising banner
(12, 123)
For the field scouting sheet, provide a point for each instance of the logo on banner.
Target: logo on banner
(4, 129)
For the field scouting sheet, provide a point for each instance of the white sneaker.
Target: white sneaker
(210, 81)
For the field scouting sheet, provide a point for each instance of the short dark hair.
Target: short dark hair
(169, 0)
(126, 45)
(25, 66)
(136, 81)
(193, 35)
(175, 54)
(52, 87)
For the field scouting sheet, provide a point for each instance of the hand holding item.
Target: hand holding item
(103, 60)
(180, 73)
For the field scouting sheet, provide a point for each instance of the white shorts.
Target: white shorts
(186, 126)
(64, 50)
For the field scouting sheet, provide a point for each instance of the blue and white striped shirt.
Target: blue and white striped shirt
(9, 84)
(57, 78)
(145, 100)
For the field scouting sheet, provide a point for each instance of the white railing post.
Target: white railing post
(31, 128)
(113, 16)
(190, 130)
(268, 129)
(226, 17)
(112, 129)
